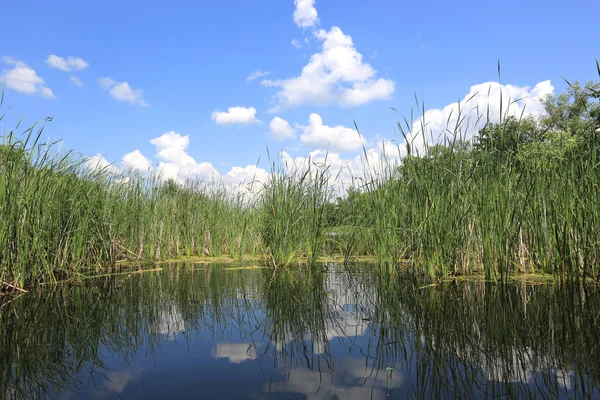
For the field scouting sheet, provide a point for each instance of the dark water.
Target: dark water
(196, 331)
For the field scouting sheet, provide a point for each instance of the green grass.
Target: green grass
(58, 218)
(520, 197)
(291, 207)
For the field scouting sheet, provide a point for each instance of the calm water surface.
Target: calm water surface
(198, 331)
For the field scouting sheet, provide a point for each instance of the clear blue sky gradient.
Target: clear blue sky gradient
(192, 57)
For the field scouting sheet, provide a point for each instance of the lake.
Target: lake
(342, 332)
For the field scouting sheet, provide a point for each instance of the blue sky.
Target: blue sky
(172, 81)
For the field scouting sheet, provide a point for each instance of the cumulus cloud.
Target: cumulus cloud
(465, 118)
(24, 79)
(352, 171)
(305, 14)
(281, 129)
(98, 163)
(331, 143)
(176, 163)
(75, 81)
(122, 91)
(247, 180)
(336, 75)
(336, 138)
(342, 172)
(67, 64)
(171, 146)
(235, 115)
(257, 74)
(136, 161)
(485, 102)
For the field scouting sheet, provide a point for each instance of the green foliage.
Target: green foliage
(292, 212)
(574, 112)
(59, 219)
(522, 196)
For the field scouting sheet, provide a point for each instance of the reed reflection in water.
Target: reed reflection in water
(346, 332)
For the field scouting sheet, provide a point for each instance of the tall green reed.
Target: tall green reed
(292, 212)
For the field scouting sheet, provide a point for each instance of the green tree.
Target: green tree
(500, 142)
(575, 112)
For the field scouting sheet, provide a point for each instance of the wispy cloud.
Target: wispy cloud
(67, 64)
(122, 91)
(257, 74)
(75, 81)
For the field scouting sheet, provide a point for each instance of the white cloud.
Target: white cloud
(305, 14)
(257, 74)
(75, 81)
(235, 115)
(136, 161)
(24, 79)
(249, 179)
(121, 91)
(336, 75)
(483, 103)
(342, 172)
(296, 44)
(47, 92)
(98, 163)
(68, 64)
(171, 146)
(281, 129)
(107, 82)
(176, 163)
(336, 138)
(355, 171)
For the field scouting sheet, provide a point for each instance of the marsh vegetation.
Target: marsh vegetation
(521, 196)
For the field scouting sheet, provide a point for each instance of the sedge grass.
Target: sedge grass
(521, 196)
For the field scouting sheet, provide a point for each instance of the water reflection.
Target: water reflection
(346, 332)
(235, 353)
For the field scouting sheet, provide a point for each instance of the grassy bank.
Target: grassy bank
(519, 197)
(59, 218)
